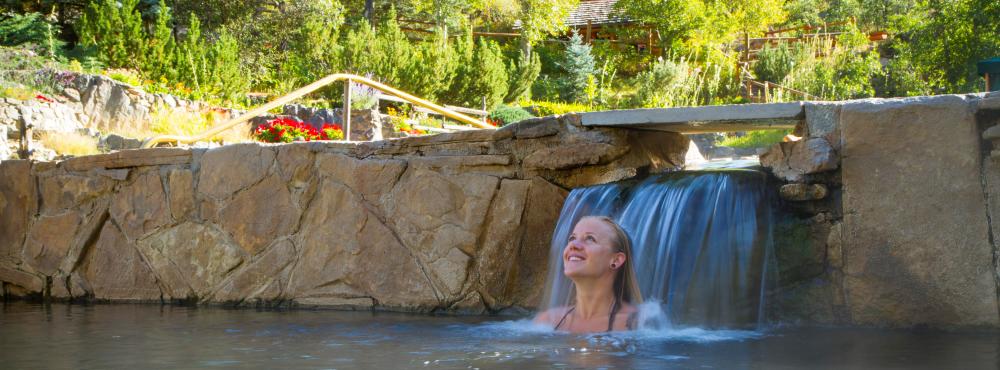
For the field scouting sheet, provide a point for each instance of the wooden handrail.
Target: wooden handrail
(153, 141)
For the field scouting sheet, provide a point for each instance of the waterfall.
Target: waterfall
(701, 243)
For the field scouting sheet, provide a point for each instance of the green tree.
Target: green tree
(579, 67)
(115, 30)
(522, 72)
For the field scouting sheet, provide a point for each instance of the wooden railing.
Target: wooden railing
(348, 78)
(765, 87)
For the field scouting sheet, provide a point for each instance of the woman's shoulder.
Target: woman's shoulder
(552, 315)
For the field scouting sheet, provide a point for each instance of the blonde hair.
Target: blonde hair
(626, 285)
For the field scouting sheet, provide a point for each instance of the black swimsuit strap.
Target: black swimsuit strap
(570, 310)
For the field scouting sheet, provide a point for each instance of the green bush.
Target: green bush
(30, 29)
(506, 114)
(774, 63)
(755, 139)
(548, 108)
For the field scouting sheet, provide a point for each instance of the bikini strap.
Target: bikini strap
(611, 318)
(570, 310)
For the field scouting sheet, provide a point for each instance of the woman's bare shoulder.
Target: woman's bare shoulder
(551, 315)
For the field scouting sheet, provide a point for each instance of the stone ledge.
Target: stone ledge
(130, 158)
(692, 120)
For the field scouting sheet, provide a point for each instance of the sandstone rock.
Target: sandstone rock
(28, 282)
(528, 273)
(130, 158)
(433, 213)
(500, 240)
(372, 178)
(18, 200)
(114, 270)
(791, 161)
(190, 259)
(914, 227)
(259, 215)
(261, 273)
(49, 241)
(339, 254)
(295, 163)
(60, 192)
(802, 192)
(141, 207)
(231, 168)
(181, 184)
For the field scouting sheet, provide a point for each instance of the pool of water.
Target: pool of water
(61, 336)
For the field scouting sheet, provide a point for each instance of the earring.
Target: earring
(613, 266)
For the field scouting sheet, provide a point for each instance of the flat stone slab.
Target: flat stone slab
(694, 120)
(130, 158)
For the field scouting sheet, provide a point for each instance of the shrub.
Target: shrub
(774, 63)
(522, 73)
(755, 139)
(70, 143)
(505, 115)
(30, 29)
(547, 108)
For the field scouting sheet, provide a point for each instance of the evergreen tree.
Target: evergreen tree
(161, 47)
(523, 73)
(114, 29)
(579, 66)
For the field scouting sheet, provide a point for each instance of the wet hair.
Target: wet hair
(626, 285)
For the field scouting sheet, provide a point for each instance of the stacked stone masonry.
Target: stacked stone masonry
(457, 222)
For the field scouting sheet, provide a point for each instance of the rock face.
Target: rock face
(455, 222)
(902, 233)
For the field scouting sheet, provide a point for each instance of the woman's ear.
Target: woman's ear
(618, 260)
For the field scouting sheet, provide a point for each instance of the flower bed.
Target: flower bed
(287, 130)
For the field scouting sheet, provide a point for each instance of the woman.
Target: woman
(598, 259)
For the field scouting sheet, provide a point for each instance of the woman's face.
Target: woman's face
(590, 251)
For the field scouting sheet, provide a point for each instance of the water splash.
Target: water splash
(701, 244)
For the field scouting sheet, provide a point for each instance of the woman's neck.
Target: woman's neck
(594, 298)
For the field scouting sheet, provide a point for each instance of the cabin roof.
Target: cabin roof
(595, 11)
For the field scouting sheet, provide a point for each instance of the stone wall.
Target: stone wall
(455, 222)
(897, 199)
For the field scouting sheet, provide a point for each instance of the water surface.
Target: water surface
(122, 336)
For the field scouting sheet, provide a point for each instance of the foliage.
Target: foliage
(481, 73)
(579, 68)
(522, 72)
(755, 139)
(114, 28)
(671, 83)
(548, 108)
(30, 29)
(331, 131)
(506, 114)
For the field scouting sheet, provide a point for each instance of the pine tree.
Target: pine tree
(523, 73)
(579, 66)
(161, 47)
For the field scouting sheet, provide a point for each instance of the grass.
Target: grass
(755, 139)
(180, 122)
(70, 143)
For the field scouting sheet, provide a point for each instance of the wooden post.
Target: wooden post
(987, 82)
(484, 110)
(767, 91)
(347, 109)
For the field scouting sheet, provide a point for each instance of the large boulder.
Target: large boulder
(915, 234)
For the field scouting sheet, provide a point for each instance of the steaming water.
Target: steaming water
(701, 244)
(122, 336)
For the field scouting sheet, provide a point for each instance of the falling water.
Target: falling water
(701, 239)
